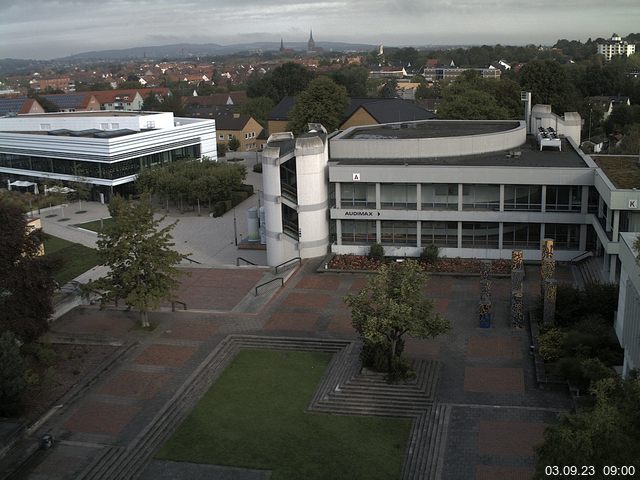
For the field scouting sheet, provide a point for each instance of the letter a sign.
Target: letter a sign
(356, 177)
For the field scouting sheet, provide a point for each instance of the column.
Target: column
(459, 234)
(419, 233)
(543, 200)
(616, 225)
(501, 198)
(582, 245)
(378, 230)
(613, 268)
(419, 196)
(338, 195)
(500, 234)
(378, 198)
(584, 206)
(338, 232)
(460, 195)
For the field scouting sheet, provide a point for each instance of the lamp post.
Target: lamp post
(590, 110)
(235, 227)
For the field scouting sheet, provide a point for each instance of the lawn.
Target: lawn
(75, 259)
(96, 225)
(254, 416)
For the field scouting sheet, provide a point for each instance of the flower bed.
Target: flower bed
(442, 265)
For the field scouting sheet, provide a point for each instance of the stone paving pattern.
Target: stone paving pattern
(498, 413)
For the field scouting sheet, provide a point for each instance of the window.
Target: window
(481, 197)
(221, 136)
(115, 126)
(439, 196)
(104, 126)
(290, 221)
(45, 126)
(442, 234)
(288, 180)
(401, 196)
(358, 232)
(357, 195)
(523, 197)
(399, 233)
(521, 235)
(480, 235)
(562, 198)
(230, 137)
(566, 237)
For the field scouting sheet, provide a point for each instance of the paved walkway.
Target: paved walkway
(498, 414)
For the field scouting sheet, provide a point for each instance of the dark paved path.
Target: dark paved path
(498, 414)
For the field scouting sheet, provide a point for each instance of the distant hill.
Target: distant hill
(191, 49)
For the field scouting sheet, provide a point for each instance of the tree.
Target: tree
(286, 80)
(391, 305)
(390, 89)
(609, 434)
(233, 144)
(12, 371)
(142, 264)
(26, 282)
(353, 78)
(322, 102)
(464, 103)
(258, 108)
(548, 82)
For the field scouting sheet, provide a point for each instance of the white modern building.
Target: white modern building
(103, 148)
(615, 46)
(627, 323)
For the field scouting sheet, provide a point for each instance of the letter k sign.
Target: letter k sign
(633, 203)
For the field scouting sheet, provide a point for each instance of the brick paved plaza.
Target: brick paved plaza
(497, 413)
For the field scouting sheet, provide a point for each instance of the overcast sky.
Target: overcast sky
(43, 29)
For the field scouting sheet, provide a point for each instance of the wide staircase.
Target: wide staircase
(343, 390)
(588, 271)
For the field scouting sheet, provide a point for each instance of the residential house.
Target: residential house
(19, 105)
(74, 102)
(242, 127)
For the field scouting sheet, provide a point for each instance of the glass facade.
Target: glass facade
(358, 195)
(400, 196)
(562, 198)
(442, 234)
(288, 180)
(566, 237)
(439, 196)
(481, 197)
(480, 235)
(523, 198)
(290, 221)
(521, 235)
(399, 233)
(104, 170)
(358, 232)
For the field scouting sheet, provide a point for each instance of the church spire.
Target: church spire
(281, 44)
(311, 44)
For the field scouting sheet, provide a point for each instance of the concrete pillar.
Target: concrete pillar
(584, 206)
(543, 200)
(460, 195)
(613, 268)
(338, 195)
(419, 196)
(339, 232)
(500, 234)
(378, 230)
(378, 198)
(616, 225)
(608, 221)
(582, 245)
(502, 198)
(459, 234)
(419, 233)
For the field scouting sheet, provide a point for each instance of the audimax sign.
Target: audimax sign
(361, 213)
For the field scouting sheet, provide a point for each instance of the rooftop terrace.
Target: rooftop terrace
(431, 129)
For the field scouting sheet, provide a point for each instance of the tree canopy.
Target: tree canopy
(26, 282)
(258, 108)
(288, 79)
(322, 102)
(609, 434)
(393, 304)
(353, 78)
(141, 260)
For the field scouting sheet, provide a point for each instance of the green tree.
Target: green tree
(139, 254)
(233, 144)
(12, 372)
(26, 282)
(609, 434)
(549, 84)
(389, 90)
(258, 108)
(464, 103)
(322, 102)
(391, 305)
(286, 80)
(353, 78)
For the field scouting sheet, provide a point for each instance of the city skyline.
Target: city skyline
(44, 29)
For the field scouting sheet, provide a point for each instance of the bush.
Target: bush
(430, 253)
(238, 197)
(222, 149)
(12, 375)
(550, 344)
(219, 208)
(245, 188)
(376, 252)
(257, 168)
(594, 369)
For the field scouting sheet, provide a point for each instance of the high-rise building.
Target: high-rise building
(615, 46)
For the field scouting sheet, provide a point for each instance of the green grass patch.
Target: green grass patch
(96, 225)
(74, 259)
(254, 417)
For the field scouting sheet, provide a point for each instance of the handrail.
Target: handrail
(244, 260)
(580, 257)
(173, 305)
(267, 283)
(288, 261)
(193, 261)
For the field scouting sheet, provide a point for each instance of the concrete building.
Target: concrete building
(627, 323)
(615, 46)
(103, 149)
(436, 74)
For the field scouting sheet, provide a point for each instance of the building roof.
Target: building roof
(65, 101)
(217, 99)
(126, 95)
(435, 129)
(15, 105)
(529, 156)
(623, 171)
(231, 121)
